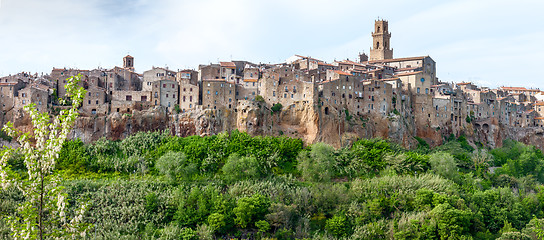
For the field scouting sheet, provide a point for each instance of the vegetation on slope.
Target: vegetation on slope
(155, 186)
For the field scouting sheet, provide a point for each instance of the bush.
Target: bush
(249, 210)
(338, 226)
(259, 99)
(175, 165)
(240, 168)
(317, 164)
(276, 108)
(444, 165)
(177, 109)
(73, 157)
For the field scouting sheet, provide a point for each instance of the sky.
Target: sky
(489, 42)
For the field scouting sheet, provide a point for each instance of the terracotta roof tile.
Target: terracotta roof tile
(341, 72)
(397, 60)
(227, 64)
(408, 73)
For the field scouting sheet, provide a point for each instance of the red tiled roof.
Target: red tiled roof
(389, 79)
(408, 73)
(227, 64)
(341, 72)
(325, 64)
(464, 83)
(397, 60)
(514, 88)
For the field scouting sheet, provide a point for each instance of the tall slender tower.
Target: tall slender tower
(128, 62)
(380, 44)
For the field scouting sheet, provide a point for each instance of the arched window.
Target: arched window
(377, 44)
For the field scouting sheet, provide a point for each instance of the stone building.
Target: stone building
(416, 82)
(188, 95)
(165, 94)
(539, 108)
(517, 90)
(381, 39)
(34, 93)
(423, 64)
(218, 94)
(228, 71)
(128, 63)
(187, 75)
(156, 74)
(286, 85)
(248, 88)
(59, 76)
(377, 96)
(342, 91)
(94, 102)
(9, 89)
(211, 71)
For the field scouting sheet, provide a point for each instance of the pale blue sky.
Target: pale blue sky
(490, 42)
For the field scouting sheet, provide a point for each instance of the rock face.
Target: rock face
(302, 120)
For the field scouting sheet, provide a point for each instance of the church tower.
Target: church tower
(128, 62)
(380, 42)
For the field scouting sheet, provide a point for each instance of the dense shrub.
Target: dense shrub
(318, 163)
(233, 185)
(175, 165)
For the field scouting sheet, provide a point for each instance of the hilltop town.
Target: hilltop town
(376, 96)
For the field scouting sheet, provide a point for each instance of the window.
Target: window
(190, 89)
(216, 93)
(183, 98)
(208, 91)
(173, 95)
(164, 86)
(167, 95)
(24, 101)
(173, 86)
(89, 101)
(184, 89)
(273, 93)
(426, 91)
(417, 90)
(190, 98)
(96, 101)
(128, 97)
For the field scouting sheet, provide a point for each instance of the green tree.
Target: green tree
(43, 214)
(444, 164)
(175, 165)
(276, 108)
(318, 163)
(239, 168)
(250, 209)
(481, 161)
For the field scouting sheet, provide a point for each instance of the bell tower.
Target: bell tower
(380, 49)
(128, 62)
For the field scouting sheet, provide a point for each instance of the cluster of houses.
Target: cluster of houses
(373, 85)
